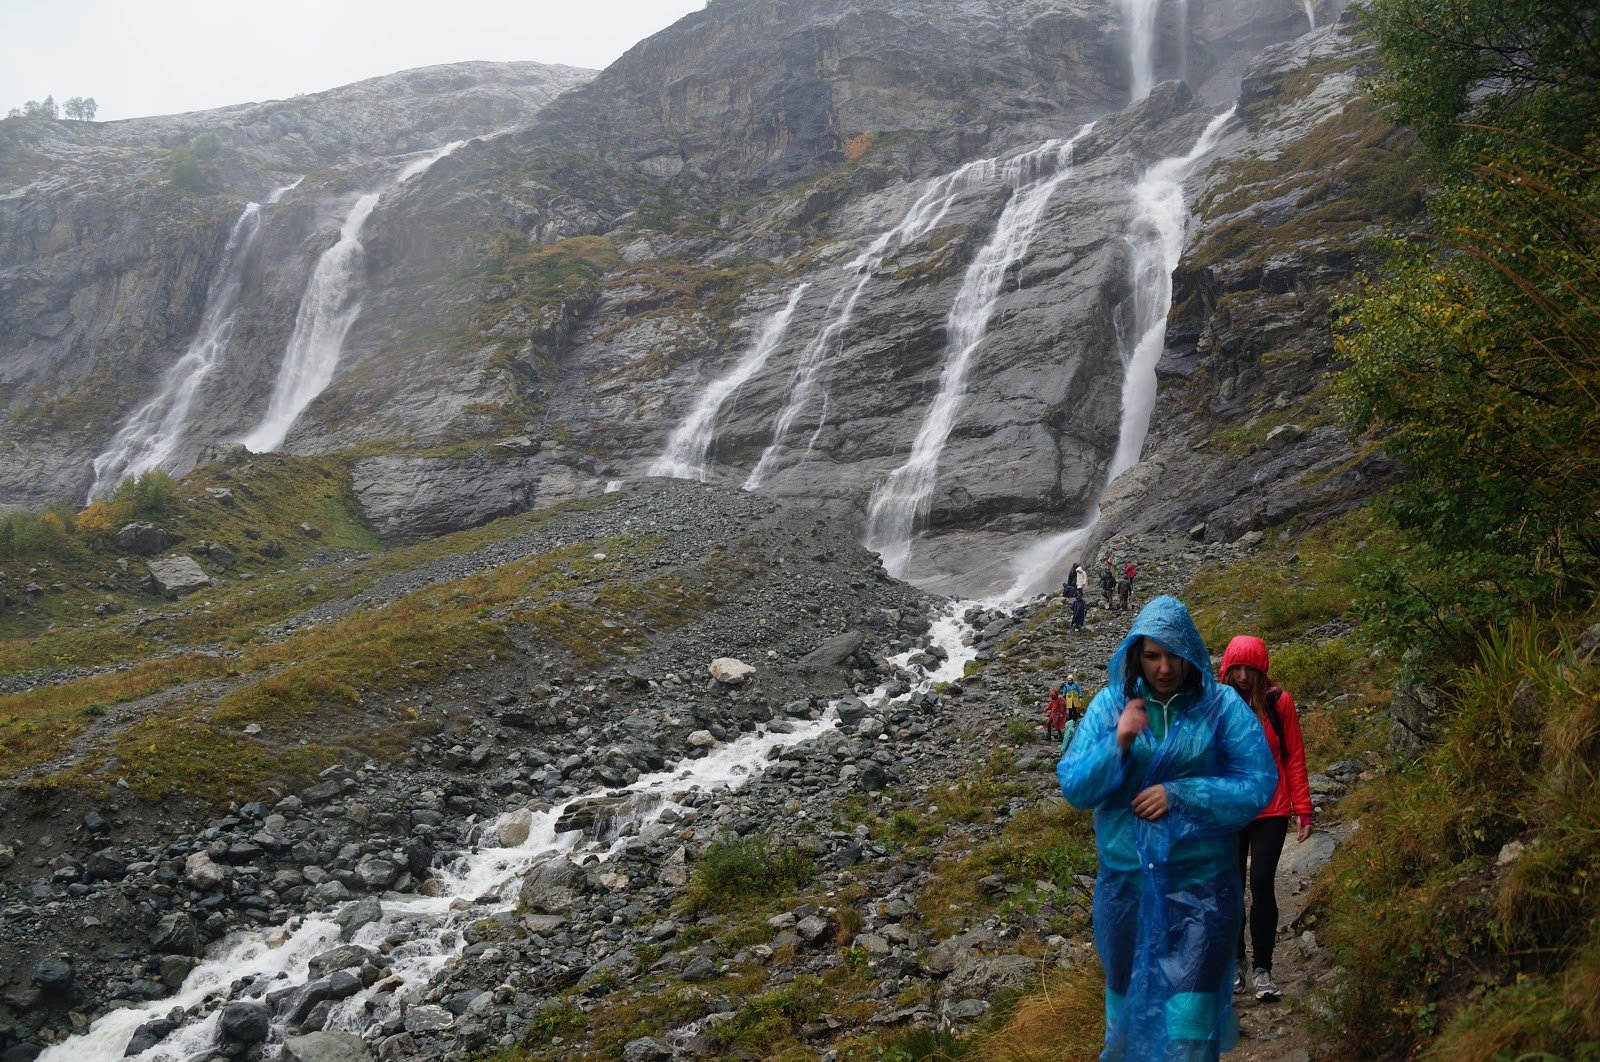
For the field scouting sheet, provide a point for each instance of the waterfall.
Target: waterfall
(899, 506)
(1311, 11)
(685, 454)
(1139, 20)
(480, 884)
(150, 438)
(929, 209)
(330, 305)
(1159, 222)
(1156, 234)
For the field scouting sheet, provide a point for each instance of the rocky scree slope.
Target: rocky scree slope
(590, 944)
(114, 898)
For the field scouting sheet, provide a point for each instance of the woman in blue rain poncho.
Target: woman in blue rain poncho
(1174, 764)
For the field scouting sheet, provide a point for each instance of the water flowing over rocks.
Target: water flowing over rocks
(794, 135)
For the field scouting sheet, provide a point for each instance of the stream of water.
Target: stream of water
(478, 885)
(152, 436)
(924, 215)
(899, 506)
(328, 309)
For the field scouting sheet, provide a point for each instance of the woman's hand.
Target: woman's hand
(1305, 829)
(1151, 803)
(1132, 721)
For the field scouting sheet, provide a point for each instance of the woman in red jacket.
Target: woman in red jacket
(1244, 667)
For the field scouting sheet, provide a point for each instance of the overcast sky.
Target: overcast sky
(142, 57)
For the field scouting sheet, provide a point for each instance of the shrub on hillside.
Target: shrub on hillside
(734, 870)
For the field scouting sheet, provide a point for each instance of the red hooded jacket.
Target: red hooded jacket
(1293, 795)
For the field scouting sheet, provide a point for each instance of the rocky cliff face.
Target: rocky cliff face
(105, 263)
(548, 309)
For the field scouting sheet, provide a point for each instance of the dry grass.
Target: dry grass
(1063, 1017)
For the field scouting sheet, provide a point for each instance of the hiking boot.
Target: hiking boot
(1266, 990)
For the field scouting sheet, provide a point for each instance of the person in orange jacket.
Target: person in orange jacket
(1244, 667)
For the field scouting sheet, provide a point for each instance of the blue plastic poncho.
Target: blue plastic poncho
(1168, 899)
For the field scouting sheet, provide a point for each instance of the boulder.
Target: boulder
(176, 576)
(835, 650)
(552, 885)
(175, 934)
(141, 537)
(325, 1047)
(244, 1022)
(730, 671)
(514, 827)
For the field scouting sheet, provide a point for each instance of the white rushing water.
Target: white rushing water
(1139, 22)
(478, 885)
(1157, 232)
(926, 213)
(329, 307)
(685, 454)
(151, 437)
(1311, 12)
(899, 506)
(1160, 223)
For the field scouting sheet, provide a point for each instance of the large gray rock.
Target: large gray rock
(176, 576)
(141, 537)
(402, 497)
(325, 1047)
(552, 885)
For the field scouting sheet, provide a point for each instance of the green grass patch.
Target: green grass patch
(1044, 849)
(1466, 952)
(734, 872)
(38, 724)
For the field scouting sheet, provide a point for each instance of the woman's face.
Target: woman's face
(1242, 679)
(1164, 671)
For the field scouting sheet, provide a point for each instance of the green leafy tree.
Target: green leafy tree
(1476, 360)
(82, 108)
(1484, 60)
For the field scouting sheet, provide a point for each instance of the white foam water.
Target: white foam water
(328, 309)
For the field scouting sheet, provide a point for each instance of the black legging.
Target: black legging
(1260, 844)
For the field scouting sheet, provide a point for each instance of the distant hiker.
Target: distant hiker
(1076, 578)
(1173, 764)
(1130, 571)
(1244, 667)
(1072, 693)
(1108, 586)
(1124, 591)
(1080, 609)
(1055, 714)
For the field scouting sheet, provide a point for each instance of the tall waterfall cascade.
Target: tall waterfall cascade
(686, 453)
(328, 309)
(899, 506)
(924, 215)
(1156, 236)
(1160, 223)
(152, 436)
(1139, 22)
(478, 885)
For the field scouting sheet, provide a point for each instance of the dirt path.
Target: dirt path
(1279, 1032)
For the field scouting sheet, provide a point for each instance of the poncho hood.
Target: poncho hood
(1246, 650)
(1166, 619)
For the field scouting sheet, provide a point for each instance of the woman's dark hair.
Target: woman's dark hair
(1192, 682)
